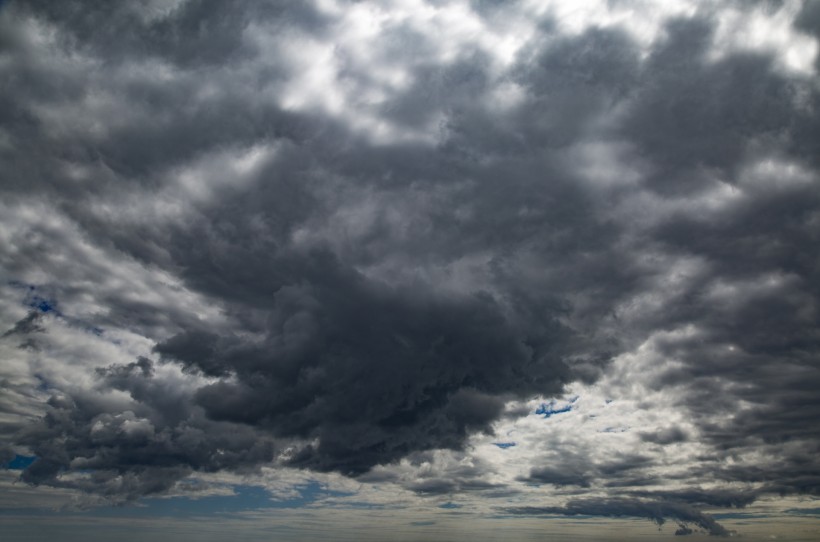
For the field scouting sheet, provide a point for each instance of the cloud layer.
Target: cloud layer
(362, 239)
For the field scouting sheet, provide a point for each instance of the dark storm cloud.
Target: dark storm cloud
(670, 435)
(560, 476)
(372, 372)
(724, 498)
(656, 511)
(375, 370)
(141, 447)
(581, 471)
(349, 332)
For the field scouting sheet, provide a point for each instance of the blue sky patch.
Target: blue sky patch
(19, 462)
(549, 409)
(42, 305)
(36, 300)
(244, 499)
(504, 445)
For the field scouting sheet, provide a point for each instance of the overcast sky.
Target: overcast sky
(407, 270)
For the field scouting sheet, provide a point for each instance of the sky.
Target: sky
(409, 270)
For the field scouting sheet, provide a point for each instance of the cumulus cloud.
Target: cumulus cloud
(366, 239)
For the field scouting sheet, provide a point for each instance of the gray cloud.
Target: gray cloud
(138, 448)
(29, 324)
(656, 511)
(380, 296)
(670, 435)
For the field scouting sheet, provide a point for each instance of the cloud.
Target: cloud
(656, 511)
(668, 435)
(339, 238)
